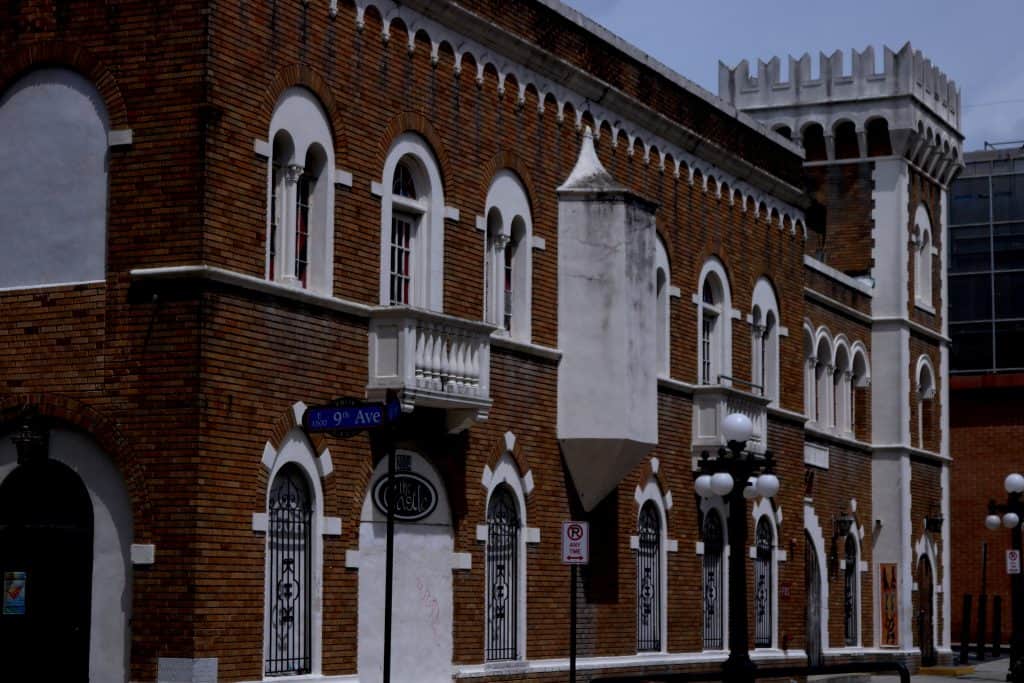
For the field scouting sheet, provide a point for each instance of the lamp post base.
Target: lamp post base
(738, 668)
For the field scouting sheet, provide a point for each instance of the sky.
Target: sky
(977, 43)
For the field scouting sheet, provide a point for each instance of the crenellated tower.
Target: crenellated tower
(881, 145)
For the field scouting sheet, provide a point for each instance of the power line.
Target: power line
(991, 104)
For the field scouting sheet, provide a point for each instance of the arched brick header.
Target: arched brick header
(517, 453)
(512, 161)
(651, 471)
(288, 420)
(414, 122)
(302, 75)
(64, 54)
(106, 434)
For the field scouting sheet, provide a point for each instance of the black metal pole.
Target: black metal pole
(997, 625)
(572, 625)
(389, 572)
(738, 668)
(965, 629)
(982, 622)
(1016, 673)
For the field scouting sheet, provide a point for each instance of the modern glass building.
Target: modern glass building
(986, 263)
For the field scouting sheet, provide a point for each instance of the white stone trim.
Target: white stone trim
(120, 138)
(186, 670)
(332, 526)
(838, 275)
(721, 362)
(143, 553)
(462, 561)
(765, 302)
(539, 243)
(451, 214)
(503, 341)
(260, 522)
(813, 529)
(651, 492)
(508, 205)
(261, 148)
(816, 455)
(342, 178)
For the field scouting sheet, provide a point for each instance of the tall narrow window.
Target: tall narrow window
(707, 335)
(402, 225)
(850, 592)
(503, 526)
(303, 191)
(922, 258)
(663, 327)
(510, 254)
(275, 219)
(714, 547)
(765, 330)
(507, 265)
(648, 580)
(763, 579)
(289, 563)
(714, 362)
(925, 403)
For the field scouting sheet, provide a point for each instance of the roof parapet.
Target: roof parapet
(906, 72)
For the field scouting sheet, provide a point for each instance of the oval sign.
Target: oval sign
(415, 497)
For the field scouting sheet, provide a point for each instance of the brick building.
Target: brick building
(986, 381)
(569, 261)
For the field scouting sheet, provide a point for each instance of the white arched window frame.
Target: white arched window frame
(650, 494)
(823, 369)
(714, 324)
(508, 267)
(923, 253)
(714, 574)
(412, 228)
(810, 363)
(860, 379)
(816, 538)
(925, 394)
(765, 331)
(55, 154)
(663, 292)
(506, 474)
(296, 450)
(842, 381)
(766, 517)
(300, 194)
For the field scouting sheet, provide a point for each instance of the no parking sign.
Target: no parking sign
(575, 543)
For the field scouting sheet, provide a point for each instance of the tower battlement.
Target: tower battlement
(906, 72)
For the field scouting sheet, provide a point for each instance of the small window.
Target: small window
(765, 340)
(923, 258)
(925, 404)
(648, 580)
(662, 284)
(508, 275)
(503, 528)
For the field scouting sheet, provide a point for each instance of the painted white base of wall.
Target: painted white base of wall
(184, 670)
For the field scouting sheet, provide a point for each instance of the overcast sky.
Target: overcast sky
(978, 43)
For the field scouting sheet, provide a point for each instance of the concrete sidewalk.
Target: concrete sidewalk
(991, 670)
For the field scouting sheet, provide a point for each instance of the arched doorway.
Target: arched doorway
(46, 560)
(926, 613)
(812, 583)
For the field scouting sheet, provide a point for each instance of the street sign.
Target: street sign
(575, 543)
(350, 416)
(1013, 562)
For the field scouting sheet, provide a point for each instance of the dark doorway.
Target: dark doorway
(46, 527)
(926, 614)
(812, 582)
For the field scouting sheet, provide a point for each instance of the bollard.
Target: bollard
(997, 625)
(982, 617)
(965, 629)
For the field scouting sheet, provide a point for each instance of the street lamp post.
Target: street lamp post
(1012, 512)
(718, 476)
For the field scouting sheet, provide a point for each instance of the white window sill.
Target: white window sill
(924, 306)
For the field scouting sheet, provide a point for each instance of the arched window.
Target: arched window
(923, 258)
(508, 268)
(814, 142)
(765, 340)
(662, 284)
(290, 568)
(714, 569)
(412, 228)
(300, 194)
(503, 528)
(648, 580)
(53, 218)
(764, 581)
(714, 328)
(861, 379)
(841, 382)
(823, 380)
(810, 366)
(925, 402)
(879, 143)
(846, 143)
(851, 599)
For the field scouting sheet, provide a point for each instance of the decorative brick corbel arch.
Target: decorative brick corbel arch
(511, 445)
(104, 432)
(68, 55)
(303, 75)
(507, 159)
(415, 122)
(652, 470)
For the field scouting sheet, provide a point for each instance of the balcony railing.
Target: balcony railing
(711, 403)
(433, 360)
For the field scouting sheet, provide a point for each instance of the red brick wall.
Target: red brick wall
(842, 222)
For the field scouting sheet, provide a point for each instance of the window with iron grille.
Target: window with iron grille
(289, 565)
(648, 580)
(763, 617)
(304, 188)
(275, 220)
(850, 592)
(714, 546)
(503, 528)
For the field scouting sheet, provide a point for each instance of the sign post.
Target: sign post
(1013, 562)
(347, 417)
(575, 551)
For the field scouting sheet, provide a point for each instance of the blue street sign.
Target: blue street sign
(350, 418)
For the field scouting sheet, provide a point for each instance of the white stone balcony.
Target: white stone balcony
(712, 403)
(433, 360)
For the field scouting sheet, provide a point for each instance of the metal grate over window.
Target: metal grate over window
(289, 564)
(502, 576)
(850, 592)
(648, 580)
(763, 617)
(714, 545)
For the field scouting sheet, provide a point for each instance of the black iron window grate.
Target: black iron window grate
(648, 577)
(714, 544)
(289, 535)
(850, 592)
(502, 576)
(763, 617)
